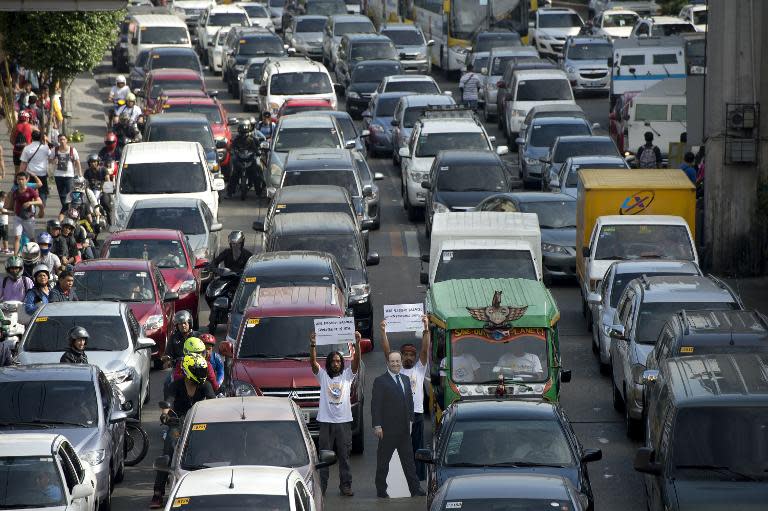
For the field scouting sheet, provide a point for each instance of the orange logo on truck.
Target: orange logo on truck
(637, 202)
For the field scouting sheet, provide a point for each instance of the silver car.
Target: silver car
(412, 48)
(493, 72)
(603, 302)
(115, 345)
(585, 61)
(305, 34)
(249, 82)
(261, 430)
(567, 181)
(336, 27)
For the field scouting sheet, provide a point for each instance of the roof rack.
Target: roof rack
(448, 112)
(686, 325)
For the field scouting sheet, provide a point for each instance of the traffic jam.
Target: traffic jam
(370, 245)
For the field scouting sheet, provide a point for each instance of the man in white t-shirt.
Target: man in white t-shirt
(34, 160)
(519, 361)
(463, 365)
(415, 369)
(334, 414)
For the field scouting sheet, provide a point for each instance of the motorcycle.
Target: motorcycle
(105, 203)
(219, 295)
(244, 172)
(13, 331)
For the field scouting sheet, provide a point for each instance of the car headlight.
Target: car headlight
(154, 322)
(553, 249)
(187, 286)
(439, 208)
(532, 161)
(94, 457)
(242, 388)
(570, 70)
(459, 49)
(637, 373)
(360, 292)
(353, 95)
(418, 177)
(121, 376)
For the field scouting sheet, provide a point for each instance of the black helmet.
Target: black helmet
(53, 223)
(182, 316)
(244, 127)
(80, 235)
(236, 238)
(93, 157)
(78, 332)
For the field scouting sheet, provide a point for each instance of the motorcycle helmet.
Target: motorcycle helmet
(130, 97)
(195, 368)
(244, 128)
(120, 79)
(24, 116)
(93, 157)
(68, 222)
(236, 238)
(44, 239)
(78, 183)
(110, 140)
(72, 213)
(80, 235)
(182, 317)
(193, 345)
(38, 269)
(30, 254)
(208, 339)
(76, 333)
(124, 117)
(14, 266)
(52, 224)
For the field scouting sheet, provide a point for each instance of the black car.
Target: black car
(138, 72)
(362, 81)
(459, 180)
(278, 269)
(487, 40)
(186, 127)
(250, 43)
(176, 57)
(497, 436)
(356, 48)
(307, 199)
(484, 492)
(338, 235)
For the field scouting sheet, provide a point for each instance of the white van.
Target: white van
(637, 64)
(148, 31)
(152, 170)
(660, 109)
(294, 78)
(531, 87)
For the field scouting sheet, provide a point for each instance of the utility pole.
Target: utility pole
(735, 131)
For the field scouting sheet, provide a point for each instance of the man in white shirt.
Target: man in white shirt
(463, 365)
(334, 414)
(519, 361)
(34, 160)
(415, 369)
(118, 91)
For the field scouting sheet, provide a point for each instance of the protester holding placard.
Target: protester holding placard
(415, 369)
(334, 414)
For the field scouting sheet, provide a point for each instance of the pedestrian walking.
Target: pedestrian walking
(414, 369)
(334, 414)
(392, 415)
(67, 162)
(34, 160)
(21, 136)
(688, 166)
(649, 155)
(22, 201)
(469, 85)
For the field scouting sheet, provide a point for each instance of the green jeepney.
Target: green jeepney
(493, 338)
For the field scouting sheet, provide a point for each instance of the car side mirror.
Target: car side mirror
(218, 185)
(290, 51)
(117, 416)
(594, 298)
(425, 456)
(366, 345)
(82, 491)
(595, 125)
(394, 122)
(645, 461)
(502, 150)
(262, 90)
(325, 459)
(403, 152)
(426, 185)
(585, 252)
(221, 144)
(365, 133)
(649, 376)
(367, 191)
(617, 332)
(350, 144)
(448, 93)
(519, 141)
(565, 375)
(430, 43)
(492, 139)
(424, 258)
(170, 296)
(372, 259)
(590, 455)
(501, 84)
(221, 303)
(226, 350)
(108, 187)
(216, 227)
(264, 146)
(210, 44)
(483, 70)
(233, 121)
(144, 343)
(201, 263)
(162, 463)
(366, 225)
(378, 176)
(554, 183)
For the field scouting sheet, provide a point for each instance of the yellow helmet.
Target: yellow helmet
(195, 368)
(194, 346)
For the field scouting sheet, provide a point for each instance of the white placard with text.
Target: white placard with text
(405, 317)
(334, 330)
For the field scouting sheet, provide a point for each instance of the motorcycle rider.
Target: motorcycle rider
(95, 171)
(30, 256)
(59, 244)
(110, 153)
(236, 256)
(245, 140)
(15, 285)
(130, 108)
(182, 395)
(68, 227)
(126, 131)
(182, 322)
(213, 358)
(48, 258)
(83, 199)
(195, 346)
(265, 126)
(75, 354)
(38, 295)
(118, 91)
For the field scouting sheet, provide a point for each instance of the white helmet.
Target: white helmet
(120, 79)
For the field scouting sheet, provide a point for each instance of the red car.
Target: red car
(270, 354)
(171, 253)
(137, 282)
(213, 110)
(166, 79)
(294, 106)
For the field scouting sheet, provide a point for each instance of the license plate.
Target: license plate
(305, 416)
(595, 85)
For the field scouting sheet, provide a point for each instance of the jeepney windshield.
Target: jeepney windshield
(479, 356)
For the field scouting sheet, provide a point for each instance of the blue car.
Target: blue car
(378, 121)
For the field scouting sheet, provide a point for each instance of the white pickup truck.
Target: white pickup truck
(483, 244)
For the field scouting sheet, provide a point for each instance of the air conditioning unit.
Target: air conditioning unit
(741, 117)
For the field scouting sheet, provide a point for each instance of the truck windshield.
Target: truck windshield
(282, 337)
(622, 242)
(476, 358)
(653, 315)
(485, 264)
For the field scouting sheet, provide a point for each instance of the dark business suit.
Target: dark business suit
(392, 409)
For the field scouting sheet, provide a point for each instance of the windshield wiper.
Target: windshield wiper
(721, 469)
(617, 257)
(274, 356)
(202, 466)
(506, 381)
(466, 464)
(61, 423)
(299, 354)
(526, 464)
(23, 424)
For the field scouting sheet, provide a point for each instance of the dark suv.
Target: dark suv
(243, 44)
(355, 48)
(187, 127)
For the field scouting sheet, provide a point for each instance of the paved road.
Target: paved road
(587, 399)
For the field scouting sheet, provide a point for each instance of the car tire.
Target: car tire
(618, 400)
(633, 426)
(120, 474)
(595, 343)
(358, 440)
(412, 211)
(106, 504)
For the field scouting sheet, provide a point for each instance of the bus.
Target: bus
(452, 24)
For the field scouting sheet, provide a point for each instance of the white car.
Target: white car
(216, 17)
(551, 28)
(695, 14)
(43, 471)
(152, 170)
(614, 23)
(215, 50)
(661, 26)
(258, 13)
(294, 78)
(241, 487)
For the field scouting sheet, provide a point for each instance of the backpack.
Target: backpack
(24, 279)
(647, 158)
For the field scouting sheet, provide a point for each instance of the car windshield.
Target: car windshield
(183, 61)
(572, 181)
(281, 337)
(502, 39)
(590, 52)
(224, 19)
(107, 333)
(668, 29)
(49, 402)
(700, 17)
(485, 264)
(374, 73)
(116, 285)
(30, 482)
(477, 357)
(287, 84)
(619, 20)
(326, 8)
(343, 178)
(480, 62)
(261, 46)
(653, 315)
(256, 11)
(471, 178)
(414, 86)
(276, 3)
(166, 177)
(604, 147)
(553, 214)
(488, 442)
(298, 278)
(413, 114)
(353, 27)
(342, 246)
(188, 220)
(621, 280)
(500, 63)
(164, 253)
(254, 71)
(374, 51)
(310, 25)
(429, 144)
(273, 443)
(295, 109)
(212, 112)
(405, 37)
(544, 135)
(182, 132)
(559, 20)
(236, 501)
(643, 241)
(550, 89)
(164, 35)
(221, 36)
(385, 107)
(295, 138)
(183, 84)
(716, 443)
